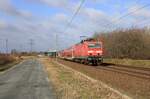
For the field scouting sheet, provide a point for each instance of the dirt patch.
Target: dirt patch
(71, 85)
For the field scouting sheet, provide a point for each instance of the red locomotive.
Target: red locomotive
(88, 51)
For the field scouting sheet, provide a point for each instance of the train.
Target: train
(88, 51)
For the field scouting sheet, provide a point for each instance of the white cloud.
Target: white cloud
(140, 13)
(43, 30)
(7, 8)
(25, 13)
(91, 19)
(53, 3)
(93, 13)
(3, 24)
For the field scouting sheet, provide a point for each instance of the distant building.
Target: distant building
(51, 54)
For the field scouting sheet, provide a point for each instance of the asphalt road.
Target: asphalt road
(26, 81)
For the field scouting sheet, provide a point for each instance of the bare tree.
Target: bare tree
(130, 43)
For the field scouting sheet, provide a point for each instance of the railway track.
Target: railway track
(132, 71)
(139, 72)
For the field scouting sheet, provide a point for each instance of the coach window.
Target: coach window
(94, 46)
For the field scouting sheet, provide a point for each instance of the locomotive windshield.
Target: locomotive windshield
(96, 45)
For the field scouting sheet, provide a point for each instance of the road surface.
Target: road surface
(26, 81)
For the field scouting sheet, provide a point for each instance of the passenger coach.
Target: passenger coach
(87, 51)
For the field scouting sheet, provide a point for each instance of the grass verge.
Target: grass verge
(129, 62)
(71, 85)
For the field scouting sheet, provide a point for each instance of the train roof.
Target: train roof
(88, 40)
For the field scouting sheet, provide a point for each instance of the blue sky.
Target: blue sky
(41, 20)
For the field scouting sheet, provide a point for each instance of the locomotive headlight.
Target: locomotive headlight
(100, 58)
(89, 58)
(98, 51)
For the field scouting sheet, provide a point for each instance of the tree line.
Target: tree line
(131, 43)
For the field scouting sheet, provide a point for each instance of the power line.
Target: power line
(56, 45)
(134, 11)
(0, 46)
(6, 46)
(31, 45)
(70, 22)
(129, 13)
(74, 15)
(21, 48)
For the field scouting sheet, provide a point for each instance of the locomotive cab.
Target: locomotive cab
(95, 49)
(95, 52)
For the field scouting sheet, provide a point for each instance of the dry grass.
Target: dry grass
(71, 85)
(4, 59)
(130, 62)
(7, 61)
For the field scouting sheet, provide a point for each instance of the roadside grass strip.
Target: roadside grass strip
(71, 84)
(8, 66)
(11, 66)
(129, 62)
